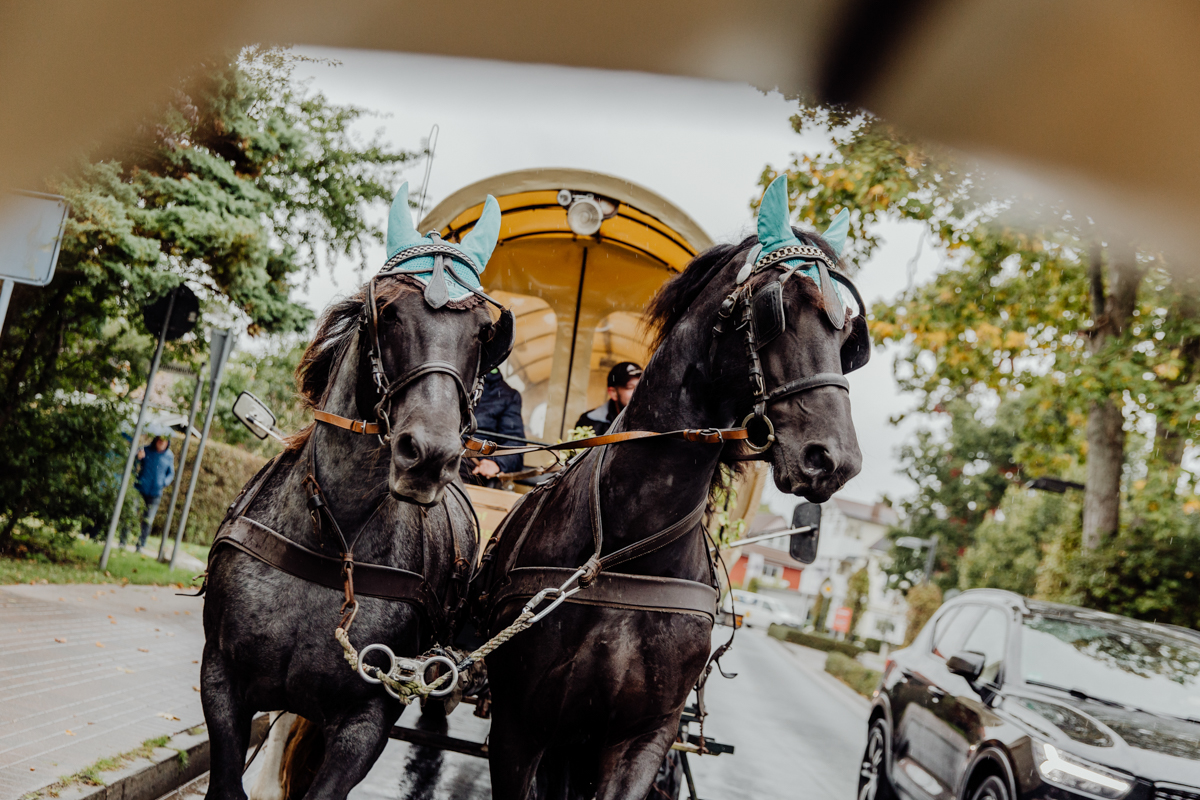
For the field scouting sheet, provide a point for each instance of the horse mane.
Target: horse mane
(335, 332)
(672, 301)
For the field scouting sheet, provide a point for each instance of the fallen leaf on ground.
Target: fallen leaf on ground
(112, 622)
(60, 641)
(32, 769)
(195, 662)
(147, 650)
(195, 688)
(165, 715)
(139, 608)
(70, 733)
(122, 669)
(98, 644)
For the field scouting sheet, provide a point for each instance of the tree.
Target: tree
(239, 186)
(858, 593)
(1033, 299)
(961, 475)
(923, 601)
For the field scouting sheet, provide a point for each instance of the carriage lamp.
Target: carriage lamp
(585, 212)
(1078, 774)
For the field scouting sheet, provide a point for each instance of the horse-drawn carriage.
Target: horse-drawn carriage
(595, 594)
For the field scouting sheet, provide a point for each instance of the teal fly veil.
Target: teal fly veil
(449, 271)
(777, 244)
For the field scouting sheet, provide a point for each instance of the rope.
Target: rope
(415, 689)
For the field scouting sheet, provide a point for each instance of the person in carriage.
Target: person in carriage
(499, 412)
(622, 380)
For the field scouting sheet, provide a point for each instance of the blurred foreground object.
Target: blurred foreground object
(1096, 99)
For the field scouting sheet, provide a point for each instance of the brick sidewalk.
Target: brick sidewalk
(88, 672)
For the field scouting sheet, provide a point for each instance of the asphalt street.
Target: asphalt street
(798, 733)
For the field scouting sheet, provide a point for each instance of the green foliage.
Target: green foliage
(853, 674)
(858, 592)
(816, 642)
(923, 601)
(240, 186)
(225, 471)
(1150, 571)
(76, 563)
(961, 474)
(1007, 548)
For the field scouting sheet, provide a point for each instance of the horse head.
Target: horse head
(430, 340)
(805, 328)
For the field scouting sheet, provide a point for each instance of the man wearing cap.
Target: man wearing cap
(622, 380)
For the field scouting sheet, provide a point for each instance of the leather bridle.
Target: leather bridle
(759, 313)
(491, 354)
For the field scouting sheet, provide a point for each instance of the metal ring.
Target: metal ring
(362, 661)
(450, 684)
(770, 432)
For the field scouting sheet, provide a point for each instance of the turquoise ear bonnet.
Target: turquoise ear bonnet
(775, 232)
(454, 272)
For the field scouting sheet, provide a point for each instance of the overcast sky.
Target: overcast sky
(701, 144)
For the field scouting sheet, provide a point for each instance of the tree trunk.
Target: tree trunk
(1105, 431)
(1171, 434)
(1105, 457)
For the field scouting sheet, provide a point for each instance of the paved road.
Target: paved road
(91, 671)
(798, 733)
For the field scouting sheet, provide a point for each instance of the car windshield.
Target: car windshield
(1116, 662)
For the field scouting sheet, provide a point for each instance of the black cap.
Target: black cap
(620, 375)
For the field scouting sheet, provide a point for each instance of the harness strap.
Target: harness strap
(352, 425)
(374, 580)
(616, 590)
(658, 540)
(478, 448)
(805, 384)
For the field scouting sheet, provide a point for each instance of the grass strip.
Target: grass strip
(90, 775)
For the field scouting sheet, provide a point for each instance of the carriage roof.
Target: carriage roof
(578, 300)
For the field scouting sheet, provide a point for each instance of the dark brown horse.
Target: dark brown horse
(587, 702)
(389, 375)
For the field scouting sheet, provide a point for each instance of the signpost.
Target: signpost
(173, 326)
(841, 620)
(31, 228)
(220, 345)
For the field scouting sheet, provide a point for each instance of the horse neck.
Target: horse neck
(647, 487)
(351, 468)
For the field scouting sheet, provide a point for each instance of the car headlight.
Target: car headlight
(1072, 772)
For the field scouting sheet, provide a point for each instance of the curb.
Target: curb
(162, 773)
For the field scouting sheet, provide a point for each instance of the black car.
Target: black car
(1001, 697)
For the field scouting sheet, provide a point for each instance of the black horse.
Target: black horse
(588, 701)
(269, 634)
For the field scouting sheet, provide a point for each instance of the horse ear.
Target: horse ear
(835, 234)
(401, 234)
(774, 230)
(481, 241)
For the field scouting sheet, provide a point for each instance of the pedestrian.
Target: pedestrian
(498, 411)
(622, 380)
(155, 474)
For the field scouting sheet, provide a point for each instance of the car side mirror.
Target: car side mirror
(254, 414)
(803, 546)
(966, 663)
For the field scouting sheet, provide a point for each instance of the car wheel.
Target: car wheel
(873, 781)
(992, 788)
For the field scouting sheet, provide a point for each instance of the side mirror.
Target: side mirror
(966, 663)
(803, 546)
(254, 414)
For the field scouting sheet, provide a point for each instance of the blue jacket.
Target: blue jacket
(499, 410)
(156, 473)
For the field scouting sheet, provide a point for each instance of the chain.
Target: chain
(405, 677)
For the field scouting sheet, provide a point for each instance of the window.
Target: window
(952, 630)
(989, 637)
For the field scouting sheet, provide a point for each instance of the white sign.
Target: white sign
(31, 227)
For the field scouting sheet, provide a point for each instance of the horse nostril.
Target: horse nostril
(817, 461)
(406, 448)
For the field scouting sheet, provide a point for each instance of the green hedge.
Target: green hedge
(812, 640)
(852, 673)
(226, 469)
